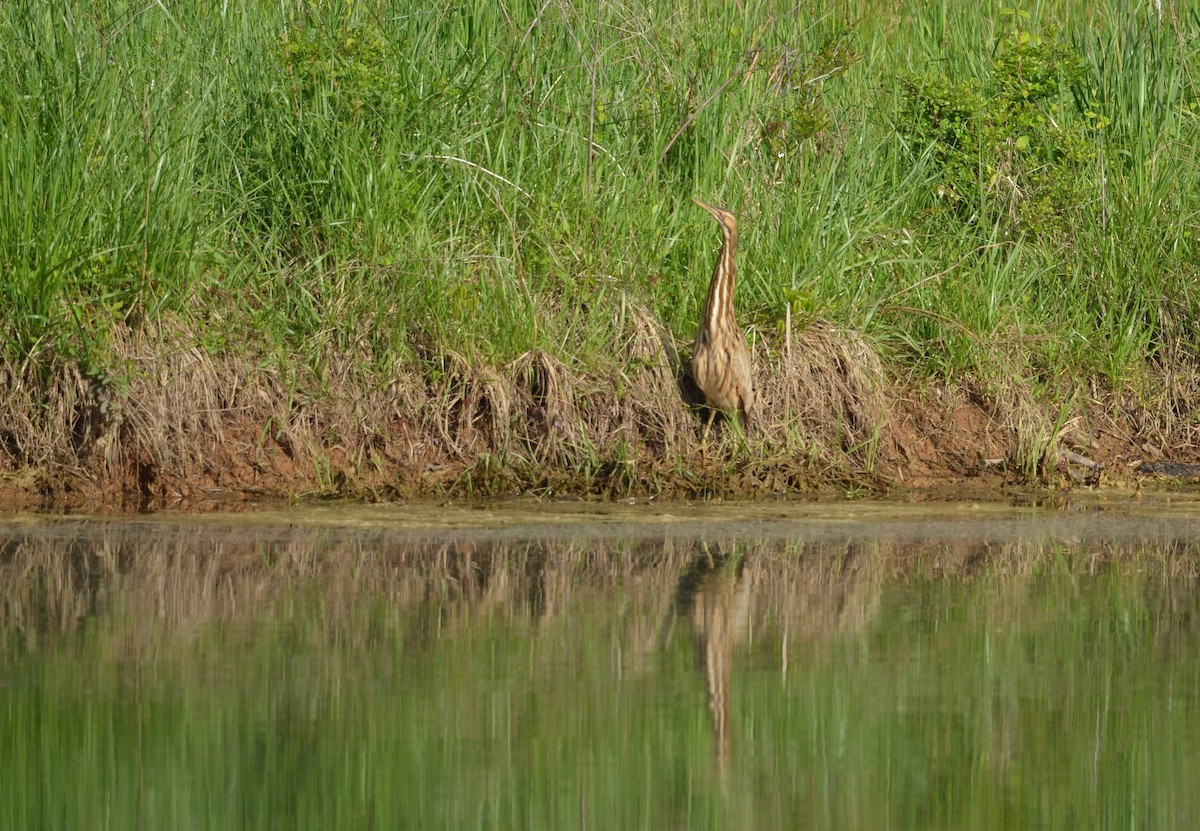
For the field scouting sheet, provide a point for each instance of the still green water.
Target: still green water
(836, 666)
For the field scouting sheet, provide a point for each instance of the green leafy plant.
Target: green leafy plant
(1004, 146)
(340, 63)
(796, 109)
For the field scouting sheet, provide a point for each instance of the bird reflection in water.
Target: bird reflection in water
(714, 593)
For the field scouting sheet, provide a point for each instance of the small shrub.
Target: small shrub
(1002, 147)
(796, 110)
(330, 88)
(342, 65)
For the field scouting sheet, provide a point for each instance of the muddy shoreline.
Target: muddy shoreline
(187, 429)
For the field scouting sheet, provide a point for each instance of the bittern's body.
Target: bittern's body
(721, 358)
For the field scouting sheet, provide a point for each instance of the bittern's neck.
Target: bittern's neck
(718, 310)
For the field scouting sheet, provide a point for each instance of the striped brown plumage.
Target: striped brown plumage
(721, 358)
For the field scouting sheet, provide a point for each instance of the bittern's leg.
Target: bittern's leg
(708, 423)
(742, 429)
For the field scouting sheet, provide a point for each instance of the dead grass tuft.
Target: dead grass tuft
(50, 417)
(824, 392)
(179, 422)
(1168, 415)
(660, 390)
(548, 426)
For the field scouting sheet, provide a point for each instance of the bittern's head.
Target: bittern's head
(728, 220)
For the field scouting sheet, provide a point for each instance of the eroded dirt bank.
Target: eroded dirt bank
(185, 425)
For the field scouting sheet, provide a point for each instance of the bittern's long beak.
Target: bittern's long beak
(723, 217)
(705, 205)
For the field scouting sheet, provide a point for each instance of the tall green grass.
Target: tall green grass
(397, 183)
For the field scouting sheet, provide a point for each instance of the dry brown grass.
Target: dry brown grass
(824, 393)
(185, 424)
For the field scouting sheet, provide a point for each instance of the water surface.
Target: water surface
(846, 665)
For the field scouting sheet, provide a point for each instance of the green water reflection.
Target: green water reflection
(297, 675)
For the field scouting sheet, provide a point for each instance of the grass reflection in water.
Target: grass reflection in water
(307, 677)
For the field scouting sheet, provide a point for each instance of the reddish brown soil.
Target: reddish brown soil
(936, 440)
(192, 431)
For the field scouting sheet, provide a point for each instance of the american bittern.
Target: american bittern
(721, 358)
